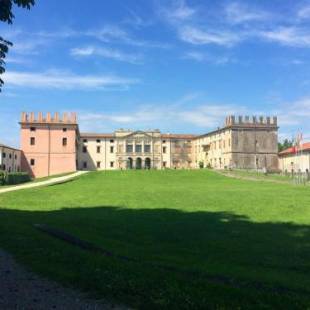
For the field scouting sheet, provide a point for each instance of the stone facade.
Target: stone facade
(244, 143)
(53, 145)
(10, 159)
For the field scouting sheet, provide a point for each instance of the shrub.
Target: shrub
(2, 177)
(17, 178)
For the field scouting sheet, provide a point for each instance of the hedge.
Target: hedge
(13, 178)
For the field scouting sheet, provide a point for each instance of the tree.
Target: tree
(285, 144)
(7, 16)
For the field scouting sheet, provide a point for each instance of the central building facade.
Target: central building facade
(125, 149)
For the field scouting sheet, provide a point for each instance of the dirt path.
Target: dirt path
(43, 183)
(23, 290)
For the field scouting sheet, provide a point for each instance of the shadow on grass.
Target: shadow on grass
(176, 259)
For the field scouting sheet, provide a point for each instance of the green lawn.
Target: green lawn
(199, 239)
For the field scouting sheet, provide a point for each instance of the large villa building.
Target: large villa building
(53, 144)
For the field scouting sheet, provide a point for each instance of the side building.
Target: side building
(48, 143)
(294, 160)
(10, 159)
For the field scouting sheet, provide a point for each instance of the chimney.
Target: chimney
(240, 119)
(48, 117)
(275, 120)
(268, 120)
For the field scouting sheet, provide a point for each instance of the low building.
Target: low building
(294, 159)
(10, 159)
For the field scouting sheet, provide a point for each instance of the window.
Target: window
(98, 140)
(111, 149)
(147, 148)
(84, 149)
(32, 129)
(10, 155)
(64, 141)
(32, 162)
(164, 149)
(129, 148)
(164, 164)
(164, 141)
(9, 169)
(111, 164)
(3, 167)
(85, 140)
(3, 155)
(64, 129)
(32, 141)
(138, 148)
(98, 164)
(98, 149)
(111, 141)
(15, 156)
(85, 164)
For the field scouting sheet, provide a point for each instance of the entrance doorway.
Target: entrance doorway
(138, 163)
(147, 163)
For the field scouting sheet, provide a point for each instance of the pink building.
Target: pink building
(48, 143)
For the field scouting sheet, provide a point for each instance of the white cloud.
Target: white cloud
(197, 36)
(237, 13)
(106, 53)
(289, 36)
(203, 57)
(66, 81)
(304, 12)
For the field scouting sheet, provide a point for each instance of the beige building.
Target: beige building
(294, 160)
(125, 149)
(10, 159)
(243, 142)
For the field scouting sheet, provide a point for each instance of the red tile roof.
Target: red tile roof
(292, 150)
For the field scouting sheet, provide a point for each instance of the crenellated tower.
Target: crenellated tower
(48, 143)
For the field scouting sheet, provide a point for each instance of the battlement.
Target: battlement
(40, 118)
(253, 121)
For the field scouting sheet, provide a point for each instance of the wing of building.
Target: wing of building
(53, 144)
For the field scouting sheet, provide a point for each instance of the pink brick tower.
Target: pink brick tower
(48, 143)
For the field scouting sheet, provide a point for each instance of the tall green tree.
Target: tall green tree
(7, 16)
(285, 144)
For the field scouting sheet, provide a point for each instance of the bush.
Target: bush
(2, 177)
(17, 178)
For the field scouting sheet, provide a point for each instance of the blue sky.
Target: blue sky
(180, 66)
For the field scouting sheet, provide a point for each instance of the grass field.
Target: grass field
(193, 239)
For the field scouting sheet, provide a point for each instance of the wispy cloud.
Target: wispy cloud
(237, 13)
(106, 53)
(304, 12)
(204, 57)
(198, 36)
(66, 81)
(289, 36)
